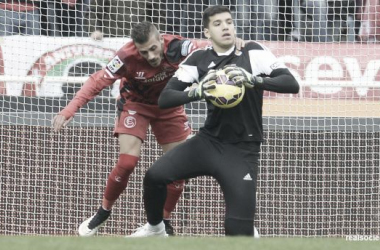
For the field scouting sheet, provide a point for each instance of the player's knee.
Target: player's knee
(154, 178)
(124, 167)
(238, 227)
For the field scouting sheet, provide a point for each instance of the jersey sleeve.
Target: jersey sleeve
(173, 94)
(91, 88)
(188, 70)
(179, 49)
(199, 43)
(262, 59)
(264, 63)
(98, 81)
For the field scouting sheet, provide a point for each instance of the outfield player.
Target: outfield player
(144, 66)
(228, 145)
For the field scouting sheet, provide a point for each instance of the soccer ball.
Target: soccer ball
(226, 94)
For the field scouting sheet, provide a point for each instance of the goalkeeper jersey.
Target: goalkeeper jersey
(244, 121)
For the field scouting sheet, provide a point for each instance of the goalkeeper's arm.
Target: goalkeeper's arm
(280, 80)
(173, 94)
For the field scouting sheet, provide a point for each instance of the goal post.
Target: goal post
(319, 169)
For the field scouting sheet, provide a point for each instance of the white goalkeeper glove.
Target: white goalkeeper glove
(208, 82)
(242, 77)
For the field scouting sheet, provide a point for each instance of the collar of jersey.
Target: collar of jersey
(227, 52)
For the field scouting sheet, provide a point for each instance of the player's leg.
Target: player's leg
(131, 131)
(188, 160)
(130, 149)
(174, 191)
(237, 176)
(171, 129)
(116, 183)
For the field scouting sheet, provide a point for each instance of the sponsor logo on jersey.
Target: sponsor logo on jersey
(115, 64)
(140, 75)
(160, 76)
(212, 64)
(130, 122)
(247, 177)
(187, 46)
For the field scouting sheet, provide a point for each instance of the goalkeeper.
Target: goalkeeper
(228, 145)
(144, 66)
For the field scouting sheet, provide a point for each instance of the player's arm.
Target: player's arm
(280, 81)
(264, 63)
(90, 89)
(181, 88)
(173, 94)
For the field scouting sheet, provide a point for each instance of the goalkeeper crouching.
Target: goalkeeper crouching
(228, 146)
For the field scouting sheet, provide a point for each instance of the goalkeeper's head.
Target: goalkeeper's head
(149, 42)
(219, 27)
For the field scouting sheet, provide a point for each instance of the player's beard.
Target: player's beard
(157, 62)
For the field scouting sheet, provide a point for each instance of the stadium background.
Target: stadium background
(319, 172)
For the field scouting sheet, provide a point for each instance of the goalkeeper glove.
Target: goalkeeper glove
(242, 77)
(208, 82)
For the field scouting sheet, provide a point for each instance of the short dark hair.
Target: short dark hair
(142, 31)
(212, 11)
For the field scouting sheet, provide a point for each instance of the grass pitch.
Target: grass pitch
(179, 243)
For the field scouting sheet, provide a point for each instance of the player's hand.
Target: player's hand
(242, 77)
(59, 121)
(208, 82)
(239, 43)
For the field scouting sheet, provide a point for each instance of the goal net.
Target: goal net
(319, 172)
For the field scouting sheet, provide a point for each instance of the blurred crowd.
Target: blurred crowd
(284, 20)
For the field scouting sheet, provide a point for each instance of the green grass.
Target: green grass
(179, 243)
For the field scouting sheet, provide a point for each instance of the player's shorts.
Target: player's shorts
(168, 125)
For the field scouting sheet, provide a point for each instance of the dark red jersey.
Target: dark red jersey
(140, 82)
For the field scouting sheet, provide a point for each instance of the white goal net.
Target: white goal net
(319, 173)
